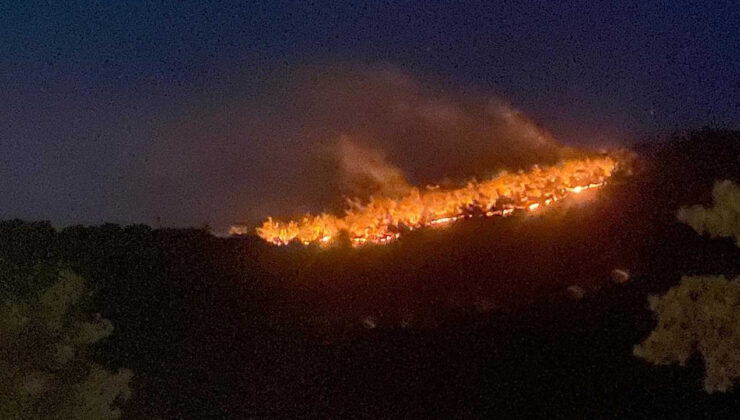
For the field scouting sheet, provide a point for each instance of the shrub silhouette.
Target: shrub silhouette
(722, 220)
(702, 313)
(45, 371)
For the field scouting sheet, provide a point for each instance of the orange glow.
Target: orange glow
(381, 219)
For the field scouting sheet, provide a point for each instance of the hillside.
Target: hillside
(470, 321)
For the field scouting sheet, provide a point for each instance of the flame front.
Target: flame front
(383, 219)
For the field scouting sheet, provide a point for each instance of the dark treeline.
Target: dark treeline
(468, 321)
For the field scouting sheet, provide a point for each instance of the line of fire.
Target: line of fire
(382, 220)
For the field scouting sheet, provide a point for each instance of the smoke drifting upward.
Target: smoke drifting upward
(305, 140)
(379, 127)
(365, 171)
(429, 133)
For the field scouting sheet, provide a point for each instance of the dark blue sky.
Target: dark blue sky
(90, 89)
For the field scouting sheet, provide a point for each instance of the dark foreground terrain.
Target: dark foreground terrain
(467, 322)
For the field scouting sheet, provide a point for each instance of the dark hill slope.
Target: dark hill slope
(232, 328)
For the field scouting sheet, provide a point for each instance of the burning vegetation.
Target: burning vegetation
(382, 219)
(350, 118)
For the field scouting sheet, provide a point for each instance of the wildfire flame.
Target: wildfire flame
(382, 219)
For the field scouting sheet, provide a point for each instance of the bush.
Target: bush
(722, 220)
(45, 371)
(700, 314)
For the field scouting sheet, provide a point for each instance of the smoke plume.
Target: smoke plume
(430, 133)
(304, 140)
(363, 171)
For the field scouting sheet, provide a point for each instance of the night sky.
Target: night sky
(180, 113)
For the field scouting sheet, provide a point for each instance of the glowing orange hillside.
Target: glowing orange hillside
(382, 219)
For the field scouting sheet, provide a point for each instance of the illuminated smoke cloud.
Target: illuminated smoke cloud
(302, 140)
(365, 171)
(428, 131)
